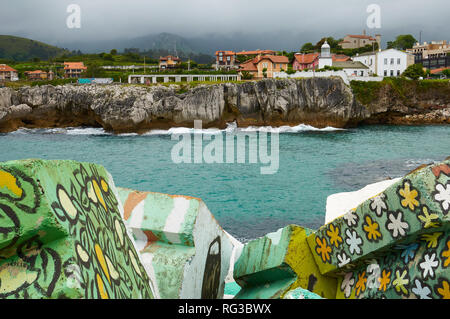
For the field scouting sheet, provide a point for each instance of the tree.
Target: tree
(414, 71)
(245, 75)
(402, 42)
(113, 52)
(264, 72)
(307, 48)
(446, 72)
(94, 71)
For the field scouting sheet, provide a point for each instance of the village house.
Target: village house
(434, 55)
(74, 69)
(310, 61)
(39, 75)
(305, 61)
(7, 73)
(355, 41)
(390, 62)
(264, 66)
(226, 60)
(168, 62)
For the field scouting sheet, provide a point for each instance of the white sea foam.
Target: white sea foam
(231, 128)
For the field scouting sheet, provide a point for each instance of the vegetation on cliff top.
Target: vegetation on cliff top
(399, 88)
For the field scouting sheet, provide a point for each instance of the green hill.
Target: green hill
(22, 49)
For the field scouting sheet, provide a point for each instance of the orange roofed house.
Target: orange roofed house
(265, 65)
(39, 75)
(168, 62)
(310, 61)
(226, 60)
(7, 73)
(74, 69)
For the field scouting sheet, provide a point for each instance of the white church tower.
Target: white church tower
(325, 56)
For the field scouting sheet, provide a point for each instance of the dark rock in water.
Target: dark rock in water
(352, 176)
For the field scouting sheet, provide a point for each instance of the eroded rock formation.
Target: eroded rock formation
(319, 102)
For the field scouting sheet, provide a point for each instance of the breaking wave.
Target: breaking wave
(231, 128)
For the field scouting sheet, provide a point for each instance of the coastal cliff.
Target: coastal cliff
(319, 102)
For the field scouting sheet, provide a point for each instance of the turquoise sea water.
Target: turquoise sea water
(313, 165)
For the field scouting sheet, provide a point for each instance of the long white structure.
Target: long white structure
(153, 78)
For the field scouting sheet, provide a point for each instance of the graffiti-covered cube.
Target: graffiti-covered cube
(277, 263)
(62, 234)
(394, 245)
(183, 248)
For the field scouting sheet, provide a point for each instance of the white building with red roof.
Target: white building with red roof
(7, 73)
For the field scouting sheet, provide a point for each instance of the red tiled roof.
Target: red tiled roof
(274, 58)
(361, 36)
(256, 52)
(340, 58)
(436, 71)
(165, 58)
(74, 65)
(6, 68)
(249, 66)
(306, 58)
(225, 53)
(35, 72)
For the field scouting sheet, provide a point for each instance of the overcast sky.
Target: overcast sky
(289, 20)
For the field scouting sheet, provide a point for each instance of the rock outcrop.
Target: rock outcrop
(319, 102)
(117, 108)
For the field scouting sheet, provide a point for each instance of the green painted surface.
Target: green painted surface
(62, 234)
(279, 262)
(232, 288)
(301, 293)
(168, 264)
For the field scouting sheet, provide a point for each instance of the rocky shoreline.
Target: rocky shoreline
(319, 102)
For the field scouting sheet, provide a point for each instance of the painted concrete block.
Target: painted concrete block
(417, 205)
(416, 270)
(63, 235)
(340, 203)
(270, 266)
(184, 250)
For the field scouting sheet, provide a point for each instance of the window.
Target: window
(392, 61)
(385, 61)
(362, 73)
(220, 58)
(385, 72)
(220, 53)
(398, 72)
(398, 61)
(392, 72)
(228, 58)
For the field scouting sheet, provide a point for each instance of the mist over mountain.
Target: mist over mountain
(206, 44)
